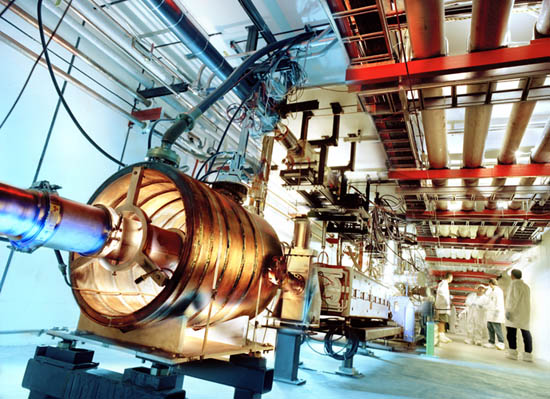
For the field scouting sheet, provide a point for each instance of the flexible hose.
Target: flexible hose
(185, 120)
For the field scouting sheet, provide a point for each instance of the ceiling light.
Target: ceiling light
(455, 205)
(502, 204)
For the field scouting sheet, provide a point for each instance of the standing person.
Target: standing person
(495, 315)
(518, 314)
(477, 303)
(443, 306)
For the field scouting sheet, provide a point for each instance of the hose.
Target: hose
(185, 120)
(351, 346)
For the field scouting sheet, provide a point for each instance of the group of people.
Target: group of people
(486, 310)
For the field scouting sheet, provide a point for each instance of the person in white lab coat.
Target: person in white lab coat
(476, 308)
(518, 314)
(495, 315)
(443, 306)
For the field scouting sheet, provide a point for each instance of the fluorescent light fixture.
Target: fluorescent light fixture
(502, 204)
(454, 205)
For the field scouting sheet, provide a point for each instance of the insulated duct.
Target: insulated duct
(515, 130)
(521, 114)
(152, 244)
(425, 21)
(487, 31)
(540, 154)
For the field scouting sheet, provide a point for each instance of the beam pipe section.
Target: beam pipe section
(32, 218)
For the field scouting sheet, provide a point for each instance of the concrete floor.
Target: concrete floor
(458, 371)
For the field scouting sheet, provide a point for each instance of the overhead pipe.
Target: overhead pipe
(175, 71)
(521, 114)
(542, 27)
(425, 21)
(258, 21)
(76, 52)
(515, 130)
(128, 63)
(487, 31)
(540, 154)
(174, 18)
(186, 120)
(69, 78)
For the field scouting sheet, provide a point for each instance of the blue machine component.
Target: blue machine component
(403, 313)
(34, 218)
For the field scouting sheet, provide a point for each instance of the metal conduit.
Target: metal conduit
(69, 78)
(176, 71)
(425, 21)
(487, 31)
(73, 50)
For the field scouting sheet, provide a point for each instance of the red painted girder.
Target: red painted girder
(470, 274)
(487, 214)
(467, 282)
(538, 51)
(461, 288)
(518, 170)
(477, 242)
(469, 261)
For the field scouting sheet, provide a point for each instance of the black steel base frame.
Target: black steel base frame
(70, 373)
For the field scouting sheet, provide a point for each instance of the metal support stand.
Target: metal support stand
(59, 373)
(69, 373)
(287, 357)
(347, 369)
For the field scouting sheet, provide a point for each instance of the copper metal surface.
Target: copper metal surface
(219, 260)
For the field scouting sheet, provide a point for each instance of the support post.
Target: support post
(347, 369)
(287, 357)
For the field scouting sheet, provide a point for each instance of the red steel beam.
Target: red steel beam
(517, 170)
(486, 214)
(538, 51)
(479, 262)
(484, 242)
(470, 274)
(466, 282)
(461, 288)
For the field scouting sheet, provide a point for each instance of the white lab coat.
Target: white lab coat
(518, 305)
(495, 308)
(443, 298)
(476, 316)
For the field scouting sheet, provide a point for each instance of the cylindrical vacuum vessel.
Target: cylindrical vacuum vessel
(173, 247)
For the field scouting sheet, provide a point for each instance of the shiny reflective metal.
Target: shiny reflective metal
(210, 260)
(31, 218)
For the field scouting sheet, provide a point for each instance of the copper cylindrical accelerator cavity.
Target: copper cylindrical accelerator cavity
(222, 265)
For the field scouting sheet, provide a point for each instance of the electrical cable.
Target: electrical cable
(84, 73)
(62, 266)
(58, 90)
(351, 346)
(7, 7)
(32, 68)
